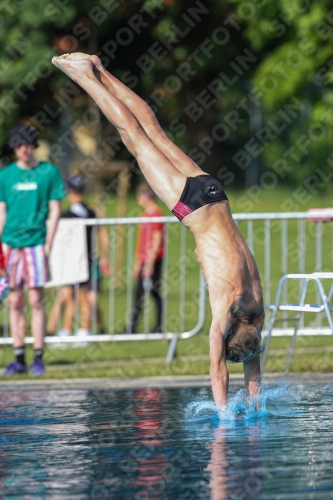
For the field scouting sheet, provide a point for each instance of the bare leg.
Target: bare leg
(53, 317)
(92, 297)
(147, 119)
(38, 317)
(16, 318)
(69, 310)
(85, 307)
(65, 296)
(164, 178)
(145, 116)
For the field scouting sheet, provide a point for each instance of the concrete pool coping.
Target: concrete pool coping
(185, 381)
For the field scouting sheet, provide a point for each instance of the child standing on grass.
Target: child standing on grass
(148, 257)
(89, 290)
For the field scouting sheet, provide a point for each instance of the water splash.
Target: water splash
(201, 410)
(278, 401)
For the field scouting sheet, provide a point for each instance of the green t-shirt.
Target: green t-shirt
(27, 193)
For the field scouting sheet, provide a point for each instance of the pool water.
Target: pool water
(166, 444)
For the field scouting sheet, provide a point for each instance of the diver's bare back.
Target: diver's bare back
(227, 264)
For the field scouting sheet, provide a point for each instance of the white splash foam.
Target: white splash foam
(240, 406)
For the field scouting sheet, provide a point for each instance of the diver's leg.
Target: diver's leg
(163, 177)
(145, 116)
(147, 119)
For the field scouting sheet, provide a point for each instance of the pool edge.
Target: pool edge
(160, 382)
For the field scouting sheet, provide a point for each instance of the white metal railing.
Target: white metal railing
(281, 243)
(176, 263)
(290, 242)
(300, 307)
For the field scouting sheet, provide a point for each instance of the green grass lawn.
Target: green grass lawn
(131, 359)
(138, 359)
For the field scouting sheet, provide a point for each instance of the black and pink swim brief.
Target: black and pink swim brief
(198, 191)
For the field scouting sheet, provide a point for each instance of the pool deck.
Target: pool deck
(158, 382)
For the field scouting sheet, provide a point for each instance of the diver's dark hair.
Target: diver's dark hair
(243, 343)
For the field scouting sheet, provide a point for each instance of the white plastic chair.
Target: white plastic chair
(300, 308)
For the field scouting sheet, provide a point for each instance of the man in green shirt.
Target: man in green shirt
(30, 192)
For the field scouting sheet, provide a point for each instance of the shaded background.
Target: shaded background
(240, 86)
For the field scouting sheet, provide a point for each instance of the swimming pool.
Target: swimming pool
(166, 444)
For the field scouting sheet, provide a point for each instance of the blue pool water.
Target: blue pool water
(166, 444)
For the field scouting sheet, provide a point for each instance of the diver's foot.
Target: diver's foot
(79, 56)
(74, 65)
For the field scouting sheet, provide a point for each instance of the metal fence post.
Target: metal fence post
(171, 350)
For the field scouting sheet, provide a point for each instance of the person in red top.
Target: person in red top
(148, 257)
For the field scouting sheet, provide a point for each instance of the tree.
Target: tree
(170, 53)
(236, 84)
(296, 70)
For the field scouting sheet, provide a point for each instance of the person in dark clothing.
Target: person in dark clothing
(89, 290)
(148, 257)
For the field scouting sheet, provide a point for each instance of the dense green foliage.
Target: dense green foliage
(242, 87)
(297, 65)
